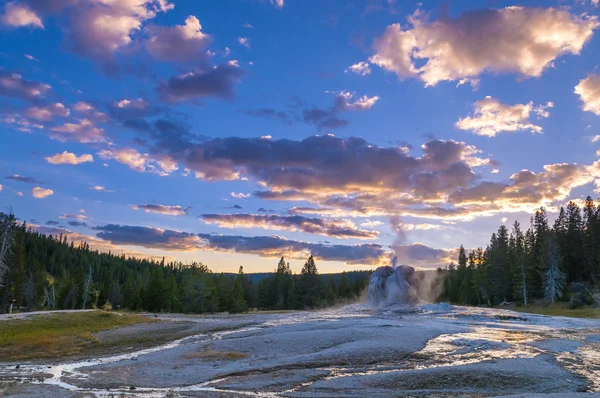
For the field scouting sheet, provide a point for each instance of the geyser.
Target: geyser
(393, 284)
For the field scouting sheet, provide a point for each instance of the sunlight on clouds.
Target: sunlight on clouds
(41, 193)
(140, 161)
(361, 68)
(491, 117)
(510, 40)
(69, 158)
(17, 15)
(83, 131)
(588, 90)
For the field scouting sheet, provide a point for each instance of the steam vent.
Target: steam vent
(392, 285)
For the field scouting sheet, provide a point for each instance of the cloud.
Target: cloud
(345, 100)
(13, 85)
(341, 229)
(241, 195)
(94, 243)
(520, 40)
(180, 43)
(100, 188)
(152, 238)
(75, 216)
(18, 15)
(83, 131)
(52, 222)
(99, 29)
(491, 117)
(77, 224)
(588, 90)
(31, 58)
(323, 118)
(48, 112)
(244, 42)
(162, 209)
(277, 3)
(90, 112)
(264, 246)
(28, 180)
(361, 68)
(132, 111)
(216, 82)
(162, 165)
(69, 158)
(276, 246)
(41, 193)
(326, 165)
(247, 25)
(0, 187)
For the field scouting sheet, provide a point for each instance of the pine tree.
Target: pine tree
(238, 303)
(554, 278)
(309, 288)
(344, 288)
(519, 268)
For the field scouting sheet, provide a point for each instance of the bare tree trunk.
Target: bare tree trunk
(86, 289)
(6, 243)
(523, 281)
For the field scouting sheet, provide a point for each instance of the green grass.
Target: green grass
(57, 335)
(561, 309)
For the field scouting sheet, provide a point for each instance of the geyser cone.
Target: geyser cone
(392, 285)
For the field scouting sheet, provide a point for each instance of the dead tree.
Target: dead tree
(6, 244)
(87, 286)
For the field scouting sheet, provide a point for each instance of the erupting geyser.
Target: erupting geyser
(393, 285)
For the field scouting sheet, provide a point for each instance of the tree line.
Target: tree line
(40, 271)
(544, 263)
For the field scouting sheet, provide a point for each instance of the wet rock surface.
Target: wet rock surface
(355, 351)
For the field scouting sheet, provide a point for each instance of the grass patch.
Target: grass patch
(214, 355)
(57, 335)
(560, 309)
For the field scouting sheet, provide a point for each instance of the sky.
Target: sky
(239, 131)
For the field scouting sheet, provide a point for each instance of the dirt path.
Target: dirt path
(25, 315)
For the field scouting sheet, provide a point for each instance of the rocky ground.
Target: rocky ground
(354, 351)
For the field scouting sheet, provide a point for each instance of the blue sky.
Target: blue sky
(235, 132)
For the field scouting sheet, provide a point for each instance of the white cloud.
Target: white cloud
(31, 58)
(181, 43)
(17, 15)
(0, 187)
(83, 131)
(48, 112)
(69, 158)
(371, 223)
(491, 117)
(277, 3)
(41, 193)
(162, 165)
(244, 41)
(346, 100)
(100, 188)
(514, 39)
(588, 90)
(361, 68)
(241, 195)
